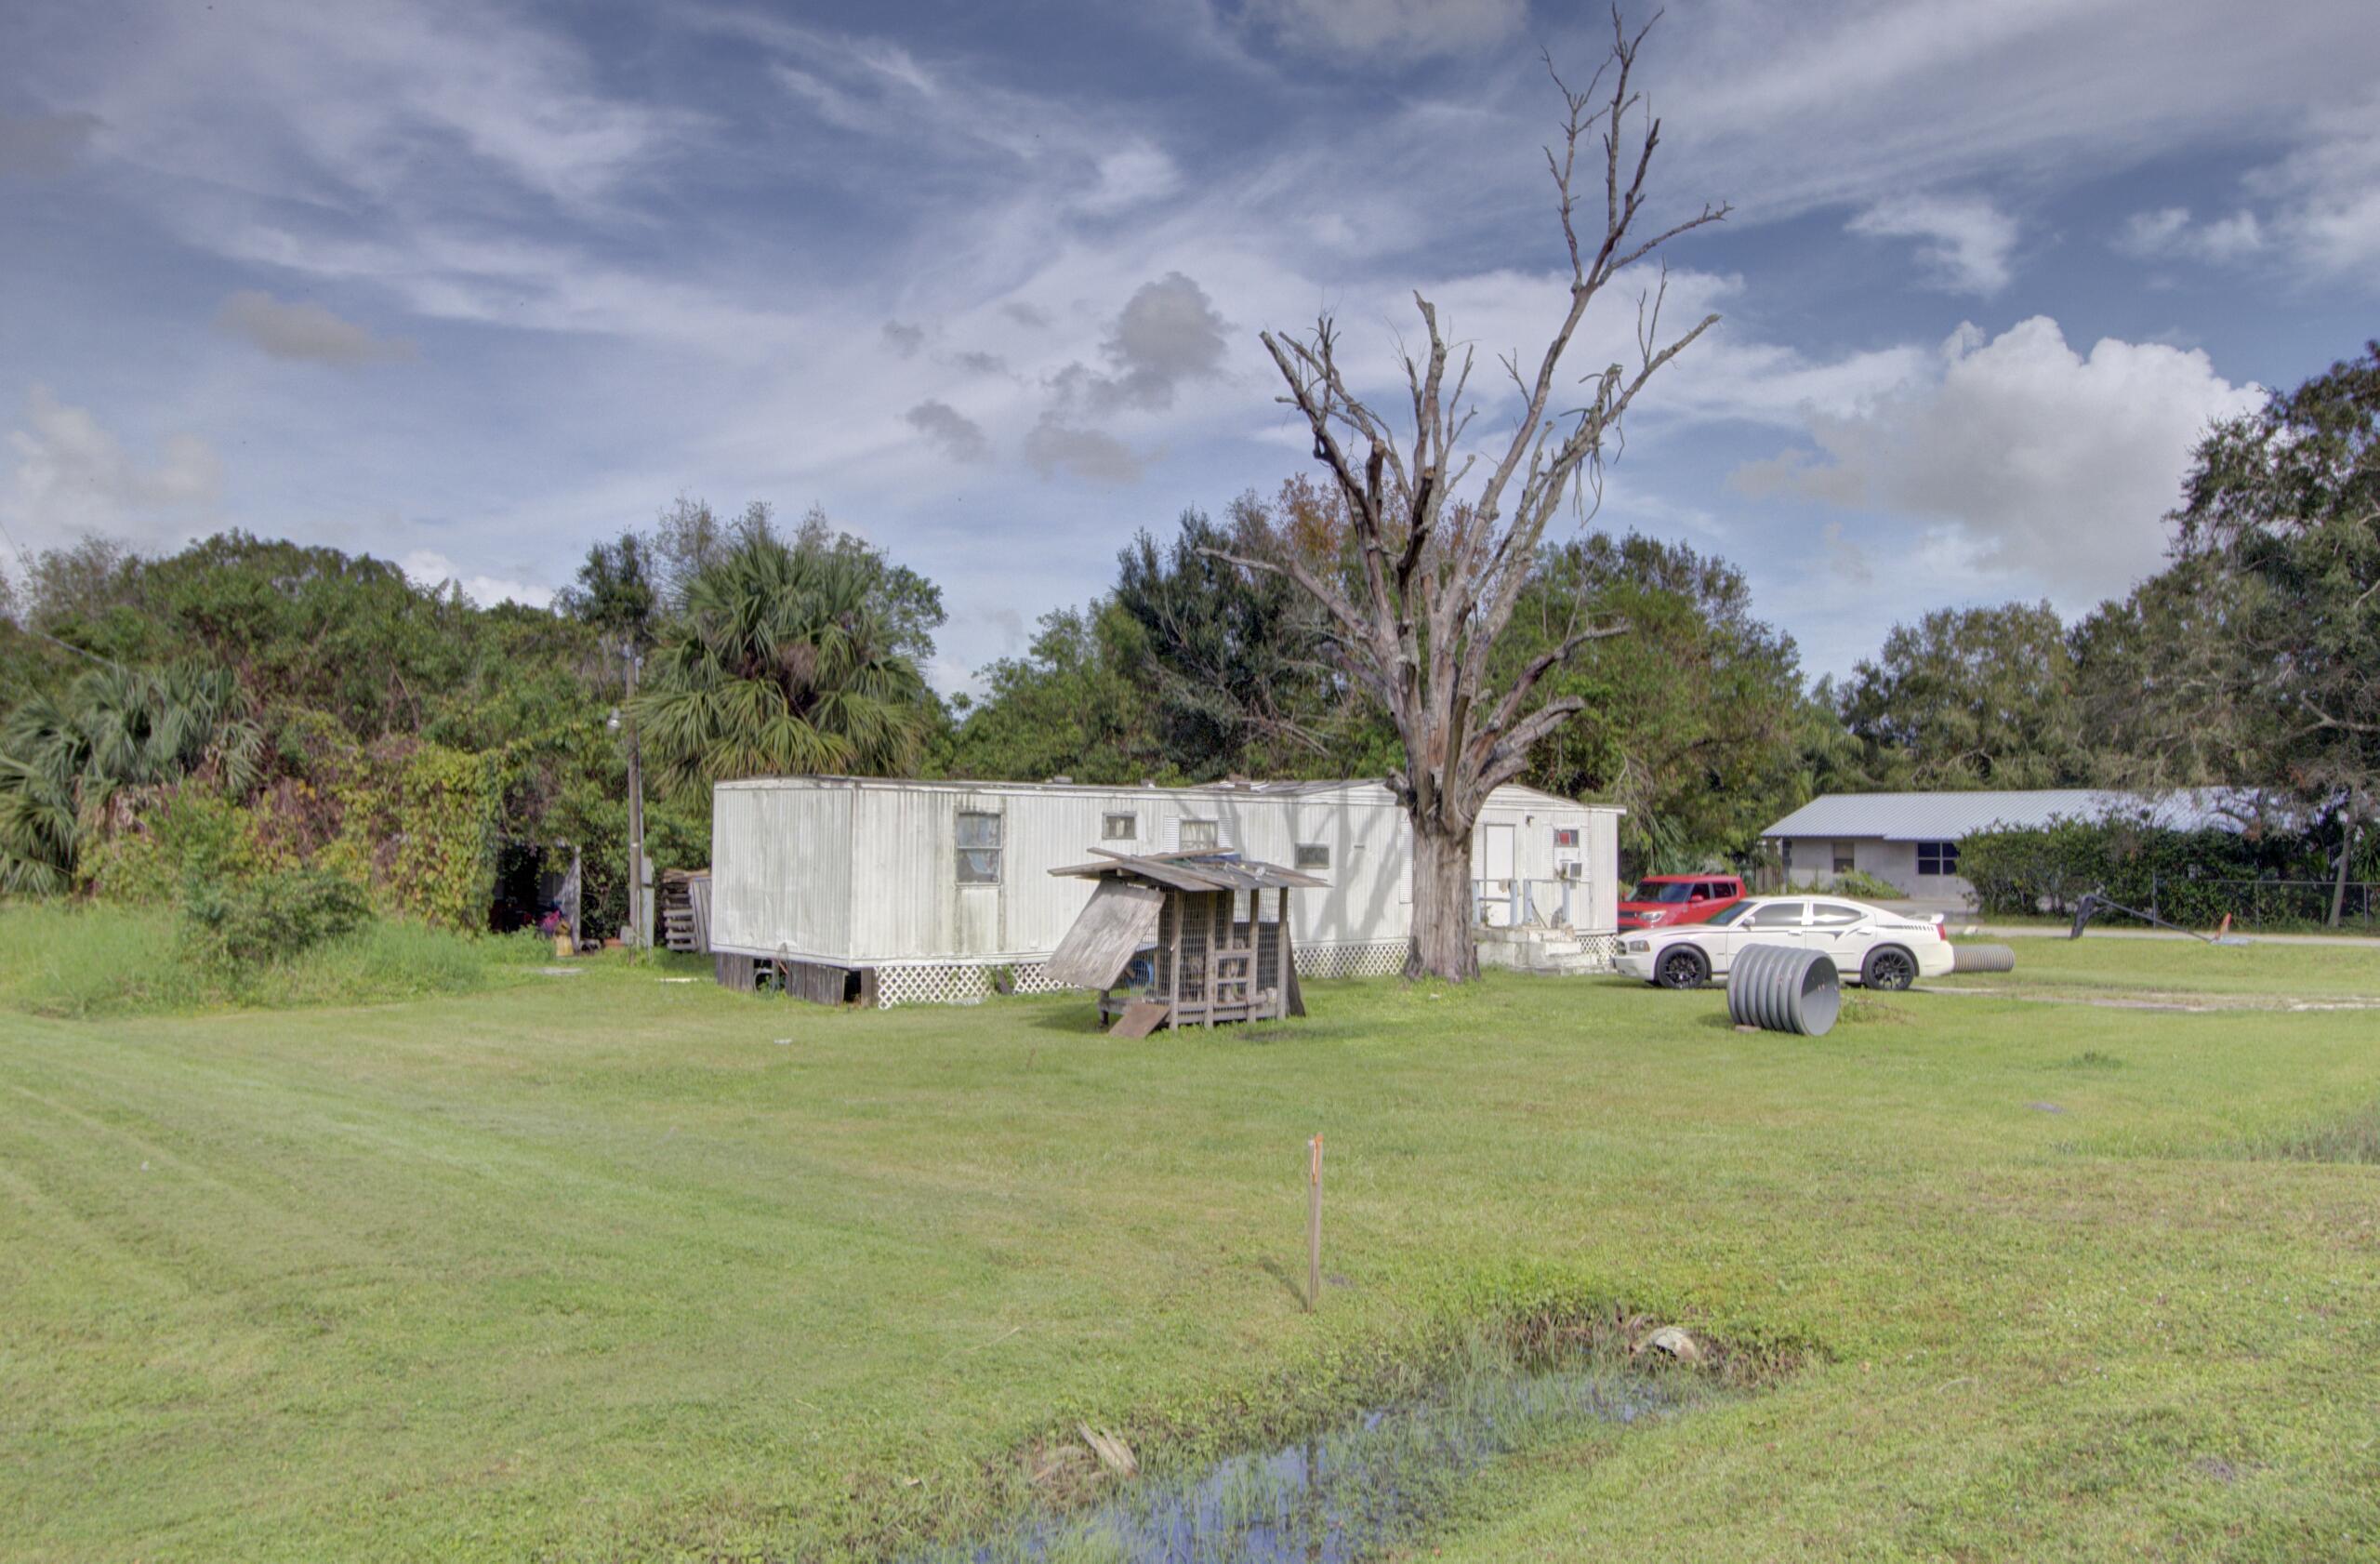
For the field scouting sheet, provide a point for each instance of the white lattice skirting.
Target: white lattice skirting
(955, 982)
(1382, 959)
(1603, 948)
(961, 983)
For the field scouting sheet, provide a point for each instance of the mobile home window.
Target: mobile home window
(1566, 836)
(1937, 857)
(1314, 855)
(979, 847)
(1201, 836)
(1119, 827)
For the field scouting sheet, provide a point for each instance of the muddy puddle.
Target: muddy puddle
(1351, 1492)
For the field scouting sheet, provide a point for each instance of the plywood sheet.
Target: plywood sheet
(1139, 1018)
(1120, 918)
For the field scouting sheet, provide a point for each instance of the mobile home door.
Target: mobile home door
(1497, 868)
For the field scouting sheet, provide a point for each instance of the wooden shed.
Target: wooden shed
(1212, 953)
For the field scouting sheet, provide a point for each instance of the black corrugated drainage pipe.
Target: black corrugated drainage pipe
(1784, 989)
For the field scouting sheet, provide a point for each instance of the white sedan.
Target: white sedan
(1882, 949)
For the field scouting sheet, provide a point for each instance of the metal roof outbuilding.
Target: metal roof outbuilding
(1947, 816)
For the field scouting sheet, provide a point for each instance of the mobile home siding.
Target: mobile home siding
(866, 873)
(757, 909)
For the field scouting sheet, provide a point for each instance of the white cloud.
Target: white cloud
(1855, 103)
(903, 337)
(1968, 239)
(2153, 233)
(2329, 191)
(1128, 177)
(427, 568)
(2168, 231)
(70, 474)
(953, 433)
(1390, 27)
(2031, 459)
(303, 331)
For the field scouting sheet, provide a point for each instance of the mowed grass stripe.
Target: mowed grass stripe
(596, 1269)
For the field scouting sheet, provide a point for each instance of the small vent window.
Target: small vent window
(1314, 855)
(1119, 827)
(1201, 836)
(979, 848)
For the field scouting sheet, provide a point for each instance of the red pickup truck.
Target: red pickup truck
(1667, 900)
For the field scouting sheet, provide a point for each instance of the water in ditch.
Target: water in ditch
(1348, 1493)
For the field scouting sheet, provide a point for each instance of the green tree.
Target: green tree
(1244, 680)
(1971, 698)
(1692, 717)
(2281, 513)
(614, 593)
(1075, 705)
(782, 664)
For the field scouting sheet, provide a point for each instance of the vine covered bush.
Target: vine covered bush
(444, 868)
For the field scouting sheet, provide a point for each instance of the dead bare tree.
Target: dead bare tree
(1437, 576)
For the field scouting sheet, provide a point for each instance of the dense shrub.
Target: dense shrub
(1864, 886)
(2178, 872)
(271, 915)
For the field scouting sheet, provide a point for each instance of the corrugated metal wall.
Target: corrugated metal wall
(890, 853)
(781, 861)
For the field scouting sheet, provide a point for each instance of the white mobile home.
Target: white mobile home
(923, 890)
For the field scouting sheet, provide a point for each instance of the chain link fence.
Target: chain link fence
(2267, 904)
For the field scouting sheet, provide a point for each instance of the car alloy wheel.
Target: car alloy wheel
(1684, 969)
(1890, 969)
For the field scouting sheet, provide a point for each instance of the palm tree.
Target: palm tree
(782, 665)
(63, 762)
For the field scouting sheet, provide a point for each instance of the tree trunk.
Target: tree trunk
(1442, 943)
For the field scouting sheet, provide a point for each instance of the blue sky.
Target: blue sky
(471, 286)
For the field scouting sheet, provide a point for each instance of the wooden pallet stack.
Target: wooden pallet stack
(685, 910)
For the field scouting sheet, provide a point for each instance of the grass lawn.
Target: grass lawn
(2268, 969)
(607, 1268)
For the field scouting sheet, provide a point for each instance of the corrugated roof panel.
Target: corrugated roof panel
(1947, 816)
(1368, 790)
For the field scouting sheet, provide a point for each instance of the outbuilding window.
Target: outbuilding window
(979, 847)
(1201, 836)
(1119, 827)
(1314, 855)
(1566, 836)
(1937, 857)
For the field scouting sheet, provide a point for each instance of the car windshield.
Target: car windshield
(1670, 889)
(1732, 911)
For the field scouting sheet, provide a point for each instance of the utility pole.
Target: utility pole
(636, 935)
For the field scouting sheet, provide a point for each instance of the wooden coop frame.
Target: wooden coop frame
(1207, 964)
